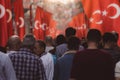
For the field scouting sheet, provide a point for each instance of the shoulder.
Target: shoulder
(93, 53)
(24, 54)
(4, 58)
(66, 57)
(61, 46)
(48, 56)
(3, 55)
(118, 64)
(104, 52)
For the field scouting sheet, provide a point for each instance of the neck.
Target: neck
(106, 47)
(92, 45)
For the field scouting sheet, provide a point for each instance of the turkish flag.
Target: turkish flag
(111, 16)
(52, 29)
(19, 17)
(3, 24)
(8, 7)
(80, 24)
(38, 32)
(103, 14)
(92, 9)
(42, 21)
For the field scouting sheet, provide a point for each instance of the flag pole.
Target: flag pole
(85, 17)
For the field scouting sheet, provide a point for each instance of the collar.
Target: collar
(11, 51)
(70, 51)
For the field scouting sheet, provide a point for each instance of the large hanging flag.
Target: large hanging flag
(79, 23)
(37, 25)
(3, 24)
(8, 7)
(92, 10)
(42, 21)
(52, 29)
(110, 12)
(103, 14)
(19, 18)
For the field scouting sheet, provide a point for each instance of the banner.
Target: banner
(3, 24)
(8, 7)
(103, 14)
(42, 21)
(80, 24)
(19, 18)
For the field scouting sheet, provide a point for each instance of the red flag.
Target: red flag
(52, 29)
(79, 23)
(8, 7)
(39, 34)
(92, 9)
(3, 24)
(103, 14)
(42, 21)
(19, 17)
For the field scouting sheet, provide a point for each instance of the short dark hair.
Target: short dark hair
(29, 41)
(94, 35)
(70, 32)
(49, 40)
(41, 43)
(108, 37)
(73, 43)
(116, 36)
(60, 39)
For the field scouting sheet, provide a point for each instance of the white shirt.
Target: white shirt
(117, 70)
(6, 69)
(48, 48)
(48, 64)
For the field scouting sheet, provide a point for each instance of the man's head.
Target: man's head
(73, 43)
(116, 36)
(29, 41)
(49, 40)
(108, 39)
(60, 39)
(70, 32)
(94, 35)
(39, 47)
(14, 43)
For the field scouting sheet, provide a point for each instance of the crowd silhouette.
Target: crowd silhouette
(67, 57)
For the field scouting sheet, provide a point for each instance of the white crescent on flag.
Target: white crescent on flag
(36, 22)
(2, 13)
(22, 22)
(97, 12)
(117, 10)
(100, 22)
(43, 26)
(10, 15)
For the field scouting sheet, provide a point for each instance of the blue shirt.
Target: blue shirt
(63, 66)
(61, 49)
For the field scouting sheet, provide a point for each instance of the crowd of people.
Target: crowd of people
(67, 57)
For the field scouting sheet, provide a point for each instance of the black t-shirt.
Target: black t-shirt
(92, 64)
(114, 53)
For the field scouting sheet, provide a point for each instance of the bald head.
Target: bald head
(14, 43)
